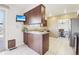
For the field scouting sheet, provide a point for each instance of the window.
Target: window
(2, 17)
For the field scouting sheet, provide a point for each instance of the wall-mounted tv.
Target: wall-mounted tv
(20, 18)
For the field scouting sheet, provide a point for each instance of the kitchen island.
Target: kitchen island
(38, 41)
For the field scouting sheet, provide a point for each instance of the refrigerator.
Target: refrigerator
(74, 35)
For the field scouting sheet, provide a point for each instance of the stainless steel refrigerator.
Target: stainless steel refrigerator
(74, 35)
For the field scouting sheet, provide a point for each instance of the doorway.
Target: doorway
(64, 27)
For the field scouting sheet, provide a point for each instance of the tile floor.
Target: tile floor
(57, 46)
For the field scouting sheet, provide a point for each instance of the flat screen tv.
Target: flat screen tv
(20, 18)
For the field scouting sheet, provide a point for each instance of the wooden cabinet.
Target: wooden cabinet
(45, 42)
(30, 40)
(35, 43)
(45, 23)
(38, 42)
(43, 16)
(36, 15)
(25, 38)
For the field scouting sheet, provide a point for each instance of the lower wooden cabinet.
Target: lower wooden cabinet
(25, 37)
(45, 43)
(38, 42)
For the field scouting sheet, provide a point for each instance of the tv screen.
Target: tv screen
(20, 18)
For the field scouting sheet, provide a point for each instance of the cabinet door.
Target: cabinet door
(25, 38)
(34, 16)
(37, 43)
(45, 43)
(43, 14)
(30, 40)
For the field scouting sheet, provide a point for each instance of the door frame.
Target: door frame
(5, 27)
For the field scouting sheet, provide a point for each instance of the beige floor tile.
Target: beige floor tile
(57, 46)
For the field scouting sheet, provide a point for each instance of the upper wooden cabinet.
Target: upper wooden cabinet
(36, 15)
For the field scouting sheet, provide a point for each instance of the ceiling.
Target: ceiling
(57, 9)
(51, 9)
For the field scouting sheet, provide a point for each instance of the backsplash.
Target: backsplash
(35, 28)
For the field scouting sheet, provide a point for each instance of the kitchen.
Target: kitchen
(40, 26)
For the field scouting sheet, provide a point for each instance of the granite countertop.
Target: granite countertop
(37, 32)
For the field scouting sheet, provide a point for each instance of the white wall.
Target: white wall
(75, 25)
(13, 29)
(52, 26)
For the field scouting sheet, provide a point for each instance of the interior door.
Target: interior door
(2, 18)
